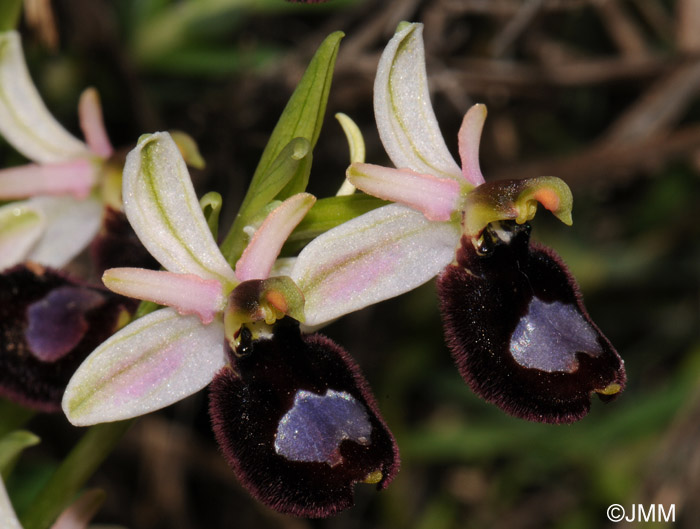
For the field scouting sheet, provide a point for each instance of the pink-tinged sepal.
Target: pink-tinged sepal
(376, 256)
(298, 424)
(149, 364)
(518, 331)
(437, 198)
(49, 324)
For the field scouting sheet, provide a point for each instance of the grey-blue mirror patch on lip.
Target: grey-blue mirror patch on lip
(57, 322)
(49, 323)
(314, 427)
(550, 335)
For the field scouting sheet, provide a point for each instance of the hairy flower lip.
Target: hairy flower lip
(38, 380)
(484, 297)
(249, 401)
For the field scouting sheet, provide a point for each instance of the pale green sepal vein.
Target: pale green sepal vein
(162, 207)
(25, 122)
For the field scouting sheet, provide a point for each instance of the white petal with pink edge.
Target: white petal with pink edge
(25, 122)
(405, 118)
(162, 207)
(376, 256)
(264, 247)
(437, 198)
(186, 293)
(151, 363)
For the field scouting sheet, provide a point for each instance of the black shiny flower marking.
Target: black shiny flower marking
(298, 424)
(48, 325)
(518, 331)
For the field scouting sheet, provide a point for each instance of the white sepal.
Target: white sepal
(25, 122)
(376, 256)
(162, 207)
(405, 118)
(151, 363)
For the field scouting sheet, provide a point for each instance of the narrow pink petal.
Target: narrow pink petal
(75, 177)
(469, 138)
(437, 198)
(258, 258)
(149, 364)
(92, 123)
(187, 293)
(81, 511)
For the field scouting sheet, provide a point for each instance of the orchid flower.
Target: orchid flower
(49, 323)
(63, 214)
(513, 314)
(294, 416)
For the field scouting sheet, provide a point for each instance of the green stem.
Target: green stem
(74, 471)
(10, 11)
(13, 416)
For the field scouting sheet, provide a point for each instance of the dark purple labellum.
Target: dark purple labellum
(298, 424)
(48, 326)
(519, 332)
